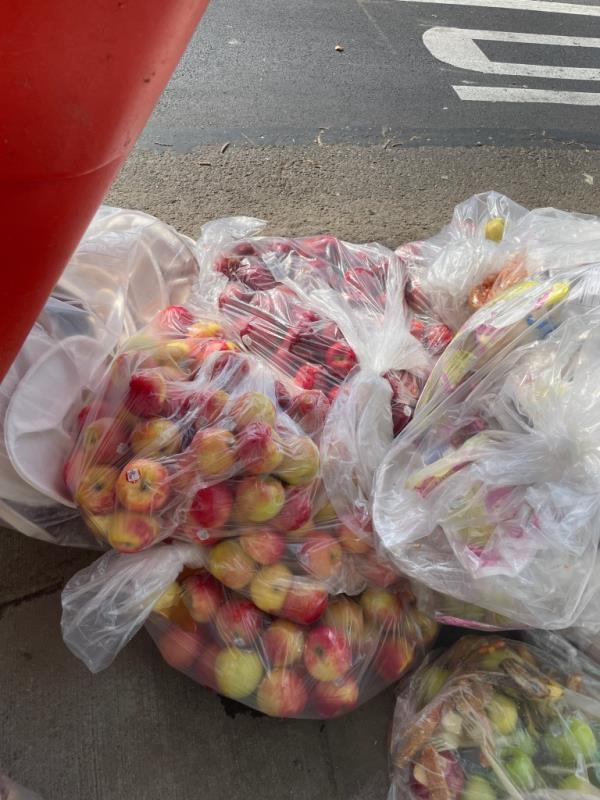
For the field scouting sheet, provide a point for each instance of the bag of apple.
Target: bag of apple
(492, 495)
(188, 439)
(494, 718)
(490, 245)
(463, 266)
(126, 266)
(336, 655)
(331, 316)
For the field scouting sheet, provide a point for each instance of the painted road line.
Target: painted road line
(519, 5)
(502, 94)
(456, 46)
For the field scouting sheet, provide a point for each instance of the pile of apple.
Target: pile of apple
(191, 438)
(276, 324)
(355, 647)
(188, 440)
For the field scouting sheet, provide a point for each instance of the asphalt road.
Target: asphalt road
(268, 72)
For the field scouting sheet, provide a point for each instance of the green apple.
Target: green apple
(433, 681)
(578, 741)
(503, 713)
(577, 784)
(238, 672)
(477, 788)
(521, 771)
(520, 742)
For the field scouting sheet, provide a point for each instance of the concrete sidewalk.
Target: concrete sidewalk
(139, 730)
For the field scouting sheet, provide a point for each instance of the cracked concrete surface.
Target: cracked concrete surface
(139, 730)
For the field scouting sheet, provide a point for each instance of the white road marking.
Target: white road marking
(457, 47)
(519, 5)
(505, 94)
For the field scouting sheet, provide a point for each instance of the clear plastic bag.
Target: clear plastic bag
(491, 496)
(188, 438)
(331, 316)
(345, 651)
(490, 245)
(493, 718)
(453, 273)
(127, 265)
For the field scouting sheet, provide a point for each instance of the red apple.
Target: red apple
(282, 693)
(208, 405)
(203, 349)
(96, 489)
(239, 623)
(417, 328)
(262, 334)
(438, 337)
(173, 318)
(231, 365)
(263, 545)
(376, 571)
(309, 409)
(338, 697)
(235, 296)
(284, 643)
(231, 565)
(156, 437)
(204, 406)
(104, 440)
(327, 654)
(305, 601)
(321, 555)
(129, 532)
(211, 506)
(258, 448)
(310, 376)
(346, 616)
(394, 657)
(283, 394)
(202, 595)
(147, 393)
(256, 275)
(296, 511)
(180, 649)
(143, 485)
(340, 358)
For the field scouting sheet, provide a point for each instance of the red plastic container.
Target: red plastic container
(78, 81)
